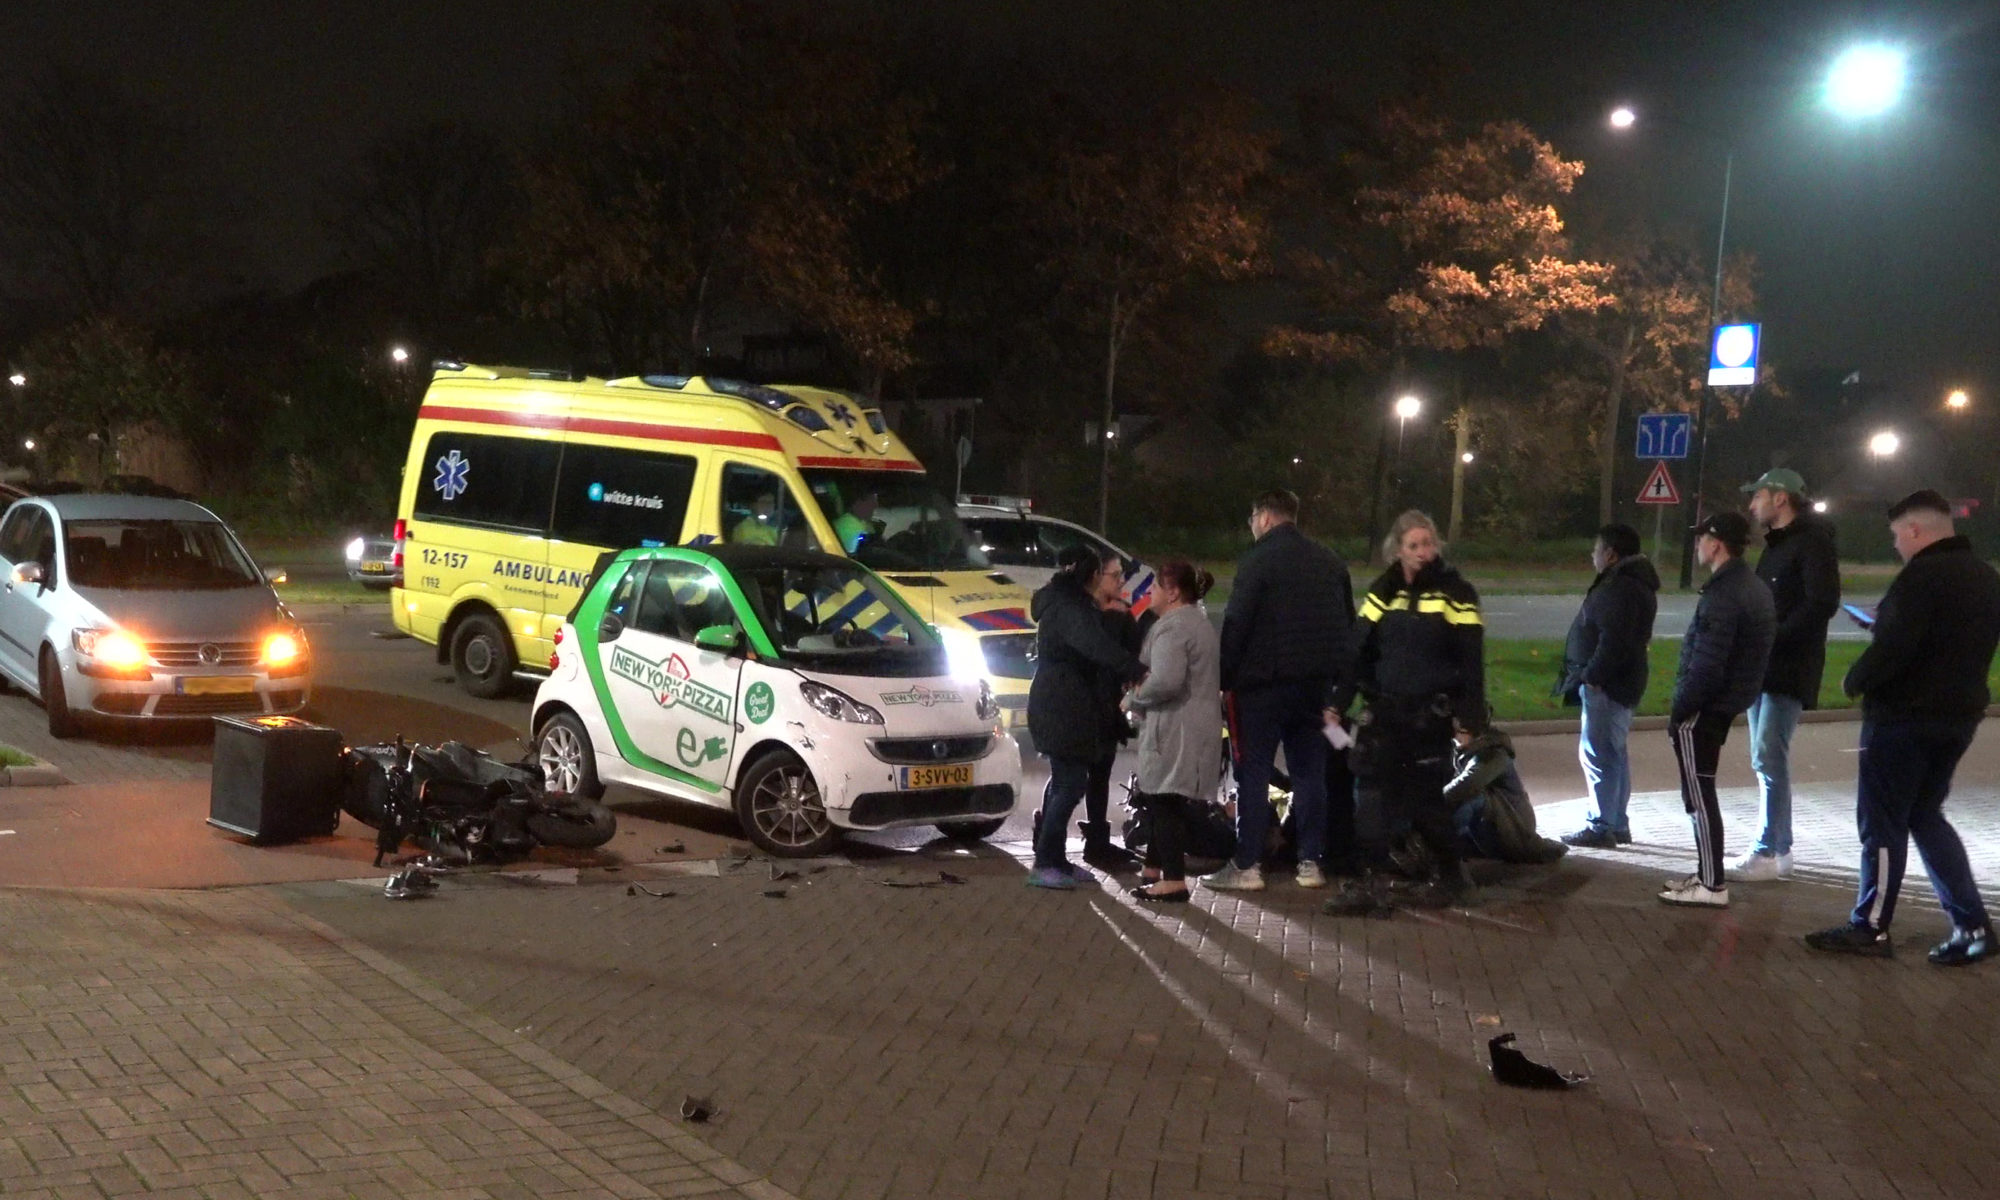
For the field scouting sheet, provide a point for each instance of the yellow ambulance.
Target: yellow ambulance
(517, 480)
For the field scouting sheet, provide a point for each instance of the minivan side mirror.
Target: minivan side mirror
(275, 576)
(29, 572)
(610, 627)
(720, 638)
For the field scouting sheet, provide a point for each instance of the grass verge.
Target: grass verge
(1519, 673)
(10, 757)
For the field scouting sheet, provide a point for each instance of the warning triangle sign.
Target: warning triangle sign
(1659, 488)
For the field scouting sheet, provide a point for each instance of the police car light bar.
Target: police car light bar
(1019, 503)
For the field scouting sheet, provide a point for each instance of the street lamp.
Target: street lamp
(1884, 444)
(1819, 506)
(1466, 458)
(1957, 400)
(1623, 117)
(18, 379)
(1866, 80)
(398, 355)
(27, 443)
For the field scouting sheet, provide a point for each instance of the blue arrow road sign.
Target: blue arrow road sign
(1664, 435)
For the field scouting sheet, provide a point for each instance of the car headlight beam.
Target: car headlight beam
(113, 649)
(283, 648)
(355, 549)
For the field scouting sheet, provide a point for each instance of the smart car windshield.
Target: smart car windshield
(155, 555)
(838, 615)
(894, 521)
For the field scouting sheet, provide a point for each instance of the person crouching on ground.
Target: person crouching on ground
(1491, 811)
(1420, 664)
(1075, 659)
(1722, 664)
(1922, 683)
(1180, 721)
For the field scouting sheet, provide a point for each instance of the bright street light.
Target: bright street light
(1957, 399)
(1466, 458)
(1884, 444)
(1622, 117)
(1819, 506)
(1866, 80)
(1407, 407)
(18, 379)
(399, 354)
(27, 443)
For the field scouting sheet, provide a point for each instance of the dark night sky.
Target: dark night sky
(1878, 244)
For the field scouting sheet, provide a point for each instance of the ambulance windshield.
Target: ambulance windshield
(895, 521)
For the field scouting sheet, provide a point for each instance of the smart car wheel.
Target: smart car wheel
(568, 761)
(972, 831)
(482, 656)
(63, 723)
(779, 805)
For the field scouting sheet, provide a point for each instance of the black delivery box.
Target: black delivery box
(276, 779)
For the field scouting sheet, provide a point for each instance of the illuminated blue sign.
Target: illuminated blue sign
(1732, 355)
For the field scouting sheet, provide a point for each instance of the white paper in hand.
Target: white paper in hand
(1337, 736)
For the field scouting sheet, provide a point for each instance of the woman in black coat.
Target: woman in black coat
(1077, 664)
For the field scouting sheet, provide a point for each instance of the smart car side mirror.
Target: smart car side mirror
(610, 627)
(29, 572)
(720, 638)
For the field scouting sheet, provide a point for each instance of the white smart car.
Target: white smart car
(790, 686)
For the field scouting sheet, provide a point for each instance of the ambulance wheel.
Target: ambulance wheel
(972, 831)
(482, 656)
(567, 759)
(779, 804)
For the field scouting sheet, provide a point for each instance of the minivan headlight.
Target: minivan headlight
(355, 549)
(838, 705)
(282, 649)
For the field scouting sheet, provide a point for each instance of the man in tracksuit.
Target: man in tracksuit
(1922, 683)
(1722, 667)
(1604, 671)
(1287, 644)
(1802, 568)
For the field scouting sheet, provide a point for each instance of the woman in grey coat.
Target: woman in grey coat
(1179, 707)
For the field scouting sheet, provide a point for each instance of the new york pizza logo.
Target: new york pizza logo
(670, 684)
(921, 695)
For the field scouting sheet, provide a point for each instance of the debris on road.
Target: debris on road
(944, 879)
(696, 1110)
(778, 876)
(634, 889)
(672, 848)
(1516, 1069)
(777, 893)
(410, 883)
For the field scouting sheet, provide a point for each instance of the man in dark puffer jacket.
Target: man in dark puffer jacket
(1604, 670)
(1722, 665)
(1286, 648)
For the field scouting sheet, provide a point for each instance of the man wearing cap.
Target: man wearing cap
(1723, 657)
(1922, 683)
(1802, 568)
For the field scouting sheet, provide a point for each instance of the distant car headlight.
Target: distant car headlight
(355, 549)
(284, 649)
(963, 654)
(838, 705)
(111, 650)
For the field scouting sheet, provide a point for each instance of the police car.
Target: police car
(793, 687)
(1025, 544)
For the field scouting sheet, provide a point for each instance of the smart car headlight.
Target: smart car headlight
(838, 705)
(963, 654)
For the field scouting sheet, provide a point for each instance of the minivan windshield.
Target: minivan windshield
(838, 616)
(894, 521)
(155, 555)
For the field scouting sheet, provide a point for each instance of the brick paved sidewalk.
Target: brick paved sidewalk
(218, 1045)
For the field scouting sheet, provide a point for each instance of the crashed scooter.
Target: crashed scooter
(462, 805)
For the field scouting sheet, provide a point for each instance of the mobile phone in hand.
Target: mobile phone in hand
(1864, 617)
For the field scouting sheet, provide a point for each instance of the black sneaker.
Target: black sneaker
(1596, 837)
(1854, 939)
(1964, 947)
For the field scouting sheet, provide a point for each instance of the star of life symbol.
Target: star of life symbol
(452, 471)
(843, 414)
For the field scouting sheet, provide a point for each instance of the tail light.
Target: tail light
(402, 531)
(555, 656)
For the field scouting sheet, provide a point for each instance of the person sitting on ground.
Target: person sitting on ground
(1489, 803)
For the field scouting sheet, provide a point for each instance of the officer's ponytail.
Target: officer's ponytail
(1078, 564)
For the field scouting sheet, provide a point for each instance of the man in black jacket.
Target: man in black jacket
(1922, 683)
(1286, 646)
(1802, 568)
(1722, 664)
(1604, 671)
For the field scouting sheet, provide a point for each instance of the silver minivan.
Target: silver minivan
(128, 608)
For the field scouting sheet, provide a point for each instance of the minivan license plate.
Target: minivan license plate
(216, 685)
(955, 775)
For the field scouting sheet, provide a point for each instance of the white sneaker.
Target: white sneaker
(1758, 867)
(1310, 876)
(1233, 878)
(1692, 891)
